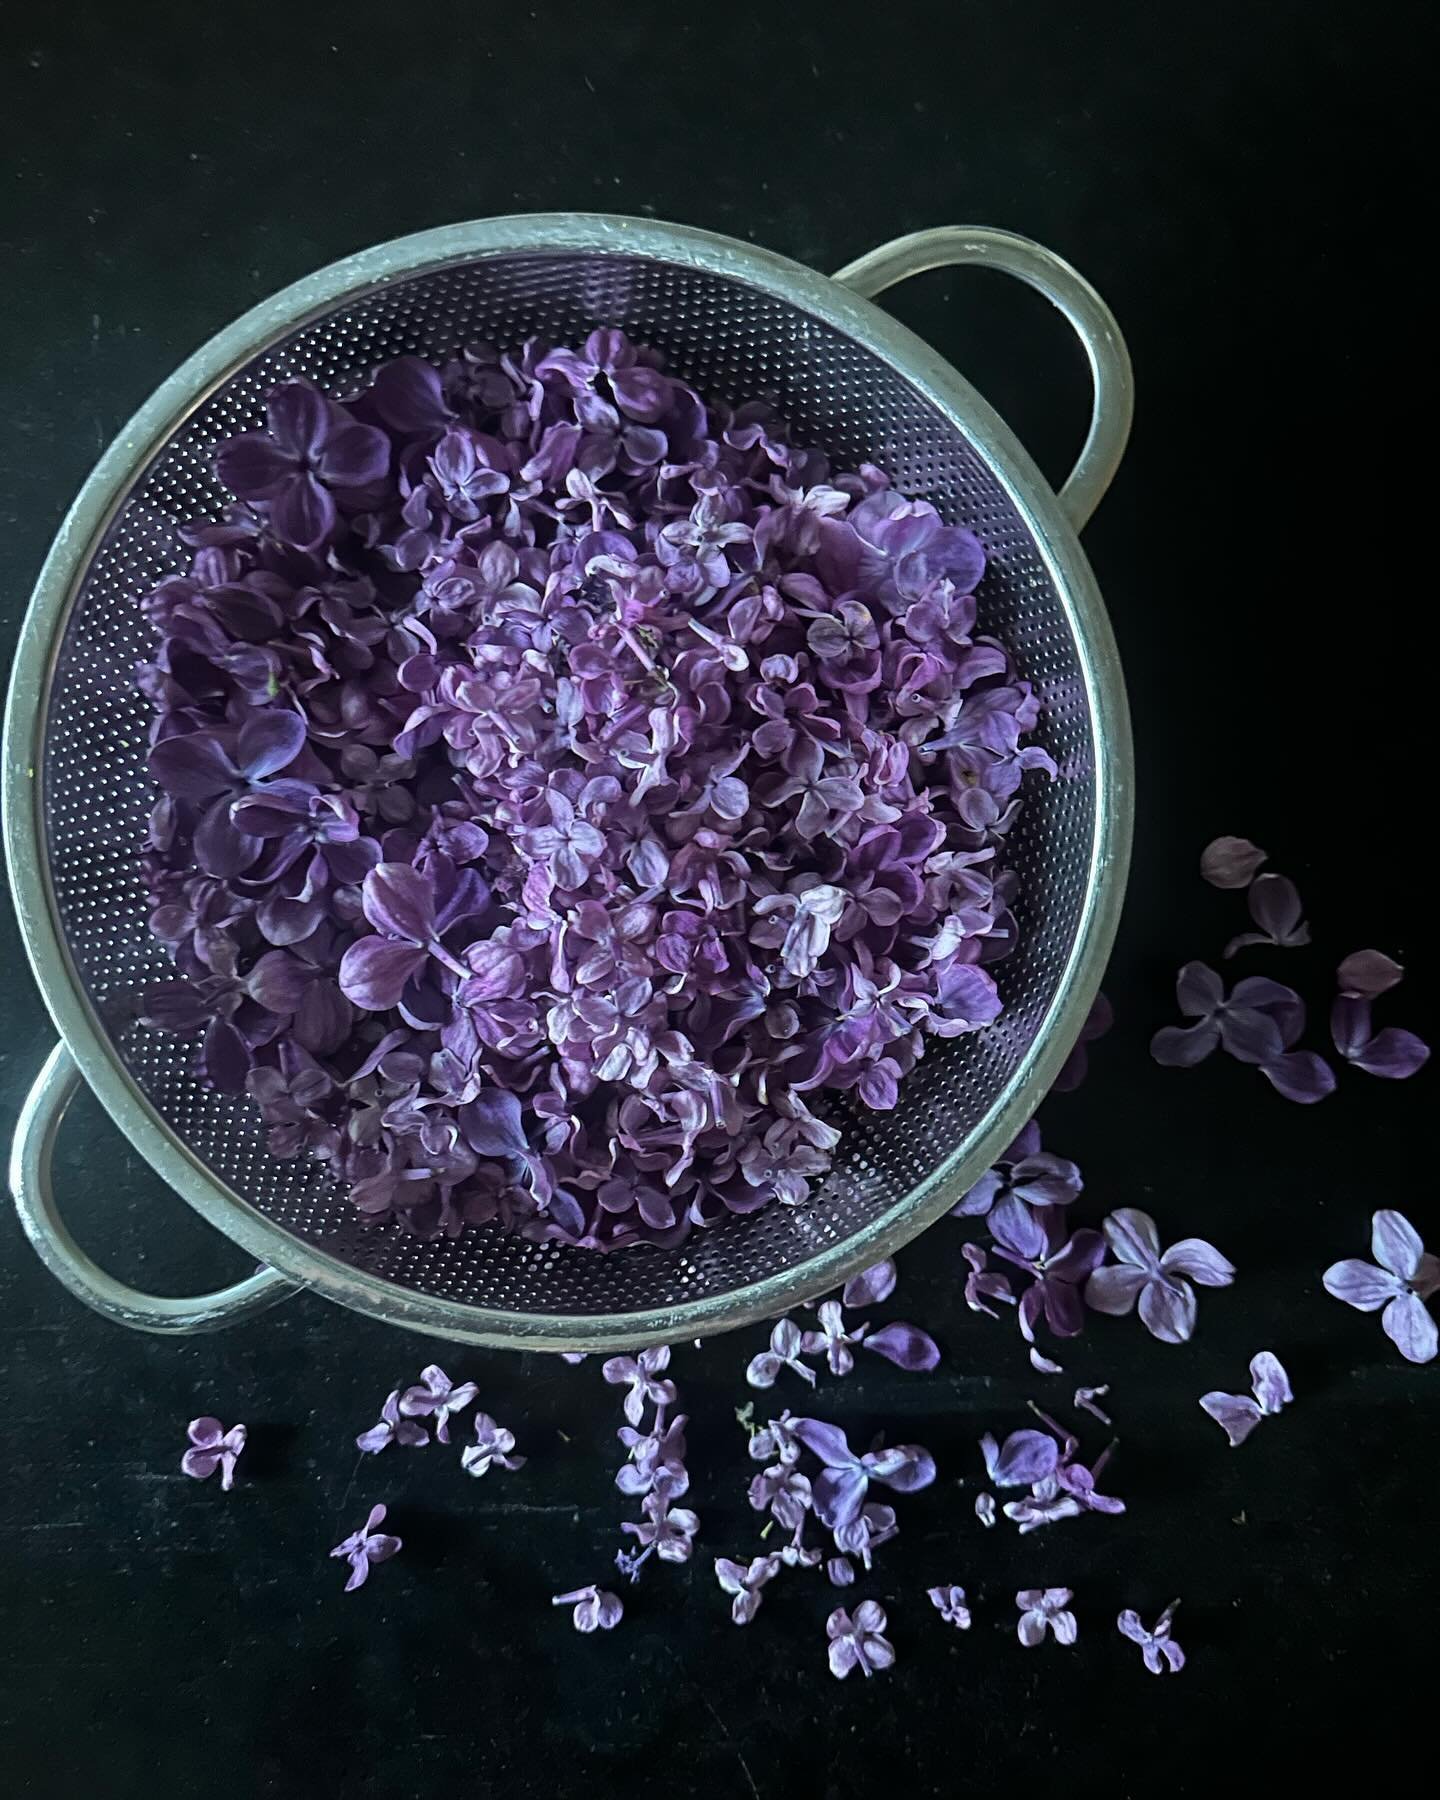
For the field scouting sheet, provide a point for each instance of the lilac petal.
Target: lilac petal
(1275, 907)
(300, 418)
(1198, 990)
(1025, 1458)
(1133, 1237)
(355, 456)
(1167, 1310)
(253, 465)
(1270, 1382)
(1395, 1243)
(1202, 1262)
(221, 848)
(200, 1464)
(399, 901)
(1360, 1284)
(904, 1345)
(828, 1442)
(192, 767)
(1230, 862)
(224, 1057)
(1114, 1290)
(1249, 1035)
(1392, 1054)
(904, 1467)
(1236, 1414)
(269, 741)
(1016, 1229)
(1301, 1076)
(1350, 1027)
(870, 1286)
(1366, 973)
(205, 1432)
(303, 513)
(408, 396)
(838, 1495)
(1182, 1047)
(375, 972)
(1410, 1326)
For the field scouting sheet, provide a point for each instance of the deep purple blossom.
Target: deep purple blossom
(1239, 1414)
(1162, 1654)
(1392, 1054)
(365, 1547)
(1024, 1176)
(841, 1485)
(745, 1583)
(595, 1609)
(1060, 1263)
(311, 450)
(1230, 862)
(1275, 907)
(492, 1448)
(212, 1447)
(1042, 1610)
(1401, 1279)
(1159, 1280)
(393, 1428)
(949, 1602)
(858, 1641)
(1257, 1022)
(437, 1397)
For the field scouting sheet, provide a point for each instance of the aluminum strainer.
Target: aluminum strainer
(736, 322)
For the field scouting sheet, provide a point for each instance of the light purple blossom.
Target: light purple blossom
(1159, 1649)
(1230, 862)
(393, 1428)
(212, 1447)
(949, 1602)
(665, 1531)
(1275, 907)
(365, 1547)
(1042, 1610)
(1160, 1281)
(492, 1447)
(644, 1377)
(437, 1397)
(858, 1641)
(787, 1343)
(840, 1571)
(745, 1583)
(1239, 1414)
(1392, 1054)
(659, 1451)
(841, 1485)
(985, 1510)
(596, 1609)
(1405, 1278)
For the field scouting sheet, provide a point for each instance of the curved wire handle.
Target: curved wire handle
(40, 1120)
(950, 246)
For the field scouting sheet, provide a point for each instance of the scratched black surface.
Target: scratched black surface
(1228, 176)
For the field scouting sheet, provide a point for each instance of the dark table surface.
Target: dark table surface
(1238, 181)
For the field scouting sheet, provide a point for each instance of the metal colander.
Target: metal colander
(737, 323)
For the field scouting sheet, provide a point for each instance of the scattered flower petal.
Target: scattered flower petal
(1159, 1649)
(1238, 1414)
(365, 1547)
(595, 1608)
(949, 1602)
(1366, 974)
(858, 1642)
(212, 1447)
(1042, 1610)
(1230, 862)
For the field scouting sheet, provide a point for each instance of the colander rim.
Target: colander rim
(105, 491)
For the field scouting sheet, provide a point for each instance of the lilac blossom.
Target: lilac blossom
(840, 1487)
(983, 1283)
(644, 1378)
(1065, 1494)
(1239, 1414)
(1392, 1054)
(1060, 1263)
(1401, 1279)
(393, 1428)
(875, 1524)
(950, 1603)
(787, 1343)
(365, 1547)
(776, 1439)
(1230, 862)
(1275, 907)
(492, 1448)
(1162, 1654)
(653, 1454)
(665, 1531)
(436, 1397)
(1257, 1022)
(745, 1583)
(595, 1609)
(858, 1641)
(1024, 1177)
(1159, 1280)
(311, 451)
(212, 1447)
(904, 1345)
(1042, 1610)
(1366, 974)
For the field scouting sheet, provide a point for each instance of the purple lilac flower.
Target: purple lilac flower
(665, 1531)
(1160, 1281)
(1042, 1610)
(437, 1397)
(983, 1283)
(949, 1602)
(1024, 1176)
(1275, 907)
(1366, 974)
(596, 1609)
(841, 1485)
(874, 1525)
(366, 1546)
(1238, 1414)
(745, 1583)
(1159, 1649)
(777, 1439)
(1026, 1456)
(1393, 1054)
(904, 1345)
(492, 1447)
(787, 1342)
(1085, 1401)
(394, 1428)
(1405, 1278)
(312, 450)
(858, 1642)
(1257, 1023)
(1230, 862)
(1059, 1263)
(212, 1447)
(1066, 1494)
(653, 1454)
(639, 1375)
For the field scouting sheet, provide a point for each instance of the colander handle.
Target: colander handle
(950, 246)
(40, 1120)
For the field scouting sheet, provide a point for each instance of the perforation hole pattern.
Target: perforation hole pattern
(732, 341)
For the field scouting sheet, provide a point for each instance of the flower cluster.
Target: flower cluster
(1061, 1487)
(655, 1471)
(565, 785)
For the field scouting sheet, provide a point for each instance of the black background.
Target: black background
(1240, 182)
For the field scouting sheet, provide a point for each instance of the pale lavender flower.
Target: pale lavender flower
(366, 1546)
(949, 1602)
(1159, 1649)
(493, 1445)
(1230, 862)
(745, 1583)
(212, 1447)
(782, 1491)
(841, 1571)
(659, 1451)
(666, 1531)
(1256, 1023)
(1043, 1609)
(1366, 974)
(858, 1642)
(1275, 907)
(832, 1338)
(862, 1536)
(1392, 1054)
(1160, 1281)
(437, 1397)
(776, 1438)
(985, 1510)
(595, 1608)
(641, 1374)
(1085, 1398)
(1070, 1491)
(787, 1342)
(1238, 1414)
(393, 1428)
(1405, 1279)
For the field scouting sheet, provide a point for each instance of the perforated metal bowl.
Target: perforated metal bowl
(737, 322)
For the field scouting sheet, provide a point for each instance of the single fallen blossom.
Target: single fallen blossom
(661, 1450)
(493, 1445)
(1024, 1176)
(949, 1602)
(870, 1286)
(839, 1489)
(1160, 1281)
(1159, 1649)
(983, 1283)
(985, 1510)
(1257, 1022)
(642, 1375)
(1025, 1457)
(1043, 1609)
(437, 1397)
(841, 1571)
(1392, 1054)
(858, 1642)
(1274, 903)
(745, 1584)
(1098, 1021)
(212, 1447)
(366, 1546)
(595, 1608)
(1366, 974)
(666, 1531)
(1085, 1398)
(875, 1524)
(393, 1428)
(832, 1338)
(904, 1345)
(776, 1438)
(787, 1342)
(1059, 1262)
(1230, 862)
(1238, 1414)
(1405, 1279)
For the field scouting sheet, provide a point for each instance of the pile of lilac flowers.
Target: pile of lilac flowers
(567, 784)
